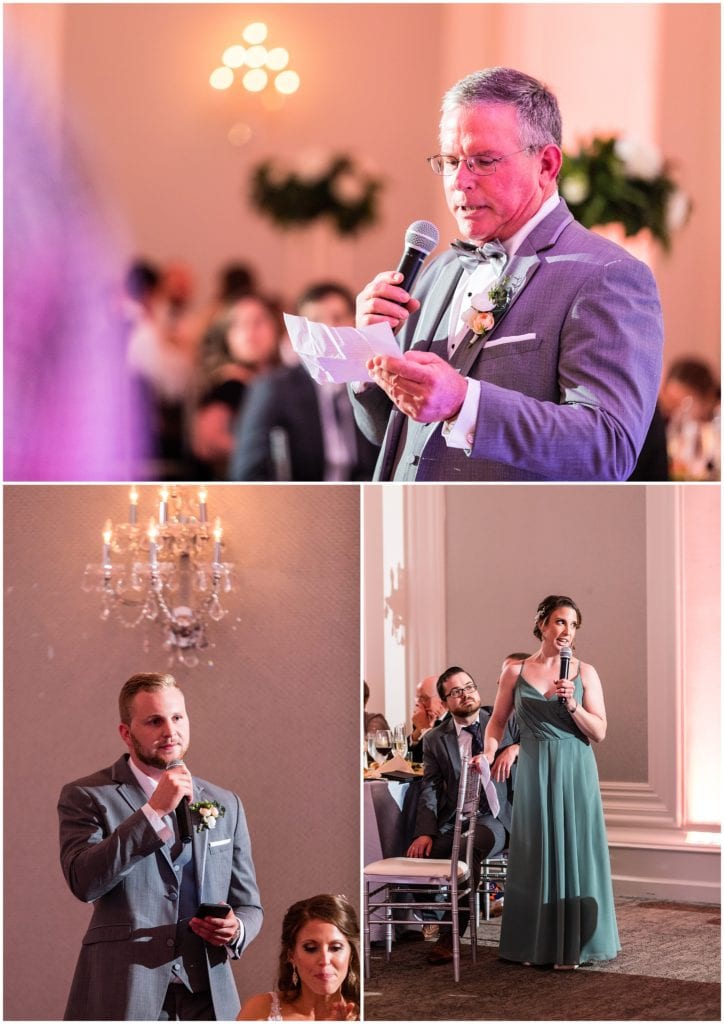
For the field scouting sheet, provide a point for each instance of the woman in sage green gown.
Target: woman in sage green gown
(558, 905)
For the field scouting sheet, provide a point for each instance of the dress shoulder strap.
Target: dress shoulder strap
(275, 1010)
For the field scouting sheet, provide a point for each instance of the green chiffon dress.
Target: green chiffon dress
(558, 905)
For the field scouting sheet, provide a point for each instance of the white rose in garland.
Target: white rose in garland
(617, 180)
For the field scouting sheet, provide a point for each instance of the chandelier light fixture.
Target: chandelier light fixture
(257, 66)
(166, 572)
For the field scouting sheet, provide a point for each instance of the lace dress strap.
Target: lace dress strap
(275, 1010)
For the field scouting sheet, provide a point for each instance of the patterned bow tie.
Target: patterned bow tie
(472, 256)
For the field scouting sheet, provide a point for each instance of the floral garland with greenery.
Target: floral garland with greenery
(332, 187)
(615, 180)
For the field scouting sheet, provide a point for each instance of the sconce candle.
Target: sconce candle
(202, 505)
(133, 507)
(217, 540)
(152, 538)
(107, 534)
(163, 507)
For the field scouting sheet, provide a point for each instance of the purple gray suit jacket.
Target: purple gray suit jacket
(113, 858)
(569, 374)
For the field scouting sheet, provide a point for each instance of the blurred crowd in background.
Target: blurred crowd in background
(221, 390)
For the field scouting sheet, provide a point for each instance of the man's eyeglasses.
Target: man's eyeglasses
(459, 691)
(445, 163)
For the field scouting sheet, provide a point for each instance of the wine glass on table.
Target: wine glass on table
(399, 740)
(383, 743)
(371, 748)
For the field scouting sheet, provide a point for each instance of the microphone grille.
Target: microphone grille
(566, 652)
(422, 235)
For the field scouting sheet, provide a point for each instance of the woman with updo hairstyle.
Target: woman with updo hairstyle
(558, 907)
(319, 967)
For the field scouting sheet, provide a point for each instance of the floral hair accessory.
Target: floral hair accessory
(208, 811)
(486, 309)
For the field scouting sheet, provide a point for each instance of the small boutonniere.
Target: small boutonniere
(208, 811)
(485, 309)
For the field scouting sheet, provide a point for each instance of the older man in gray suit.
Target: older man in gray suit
(146, 954)
(532, 350)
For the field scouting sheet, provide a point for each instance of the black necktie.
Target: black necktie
(471, 256)
(477, 745)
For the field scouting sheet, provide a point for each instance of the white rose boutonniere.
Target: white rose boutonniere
(208, 811)
(486, 308)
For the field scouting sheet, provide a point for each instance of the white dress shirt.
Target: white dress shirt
(460, 431)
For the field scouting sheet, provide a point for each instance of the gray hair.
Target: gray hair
(539, 117)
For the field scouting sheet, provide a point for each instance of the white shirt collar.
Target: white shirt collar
(459, 726)
(146, 782)
(512, 244)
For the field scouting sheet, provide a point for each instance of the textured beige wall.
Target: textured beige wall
(276, 718)
(509, 547)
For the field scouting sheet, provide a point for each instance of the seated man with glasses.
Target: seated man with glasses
(532, 348)
(443, 747)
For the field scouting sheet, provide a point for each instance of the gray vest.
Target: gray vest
(189, 965)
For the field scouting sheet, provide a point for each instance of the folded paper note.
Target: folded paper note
(396, 764)
(338, 354)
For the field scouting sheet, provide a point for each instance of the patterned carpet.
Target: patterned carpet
(669, 969)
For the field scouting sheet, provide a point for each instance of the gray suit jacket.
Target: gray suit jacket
(441, 774)
(569, 373)
(112, 857)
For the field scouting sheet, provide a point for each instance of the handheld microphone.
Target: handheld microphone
(566, 655)
(420, 239)
(183, 814)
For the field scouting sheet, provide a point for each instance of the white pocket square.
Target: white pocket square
(509, 340)
(219, 842)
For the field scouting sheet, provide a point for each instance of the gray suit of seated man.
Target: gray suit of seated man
(442, 750)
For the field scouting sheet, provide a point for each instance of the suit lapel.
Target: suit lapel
(451, 745)
(521, 270)
(200, 840)
(434, 316)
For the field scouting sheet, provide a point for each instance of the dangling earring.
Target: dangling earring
(295, 976)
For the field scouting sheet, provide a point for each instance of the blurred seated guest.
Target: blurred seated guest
(373, 719)
(689, 401)
(150, 353)
(252, 329)
(690, 386)
(184, 326)
(428, 712)
(295, 429)
(234, 282)
(319, 967)
(161, 366)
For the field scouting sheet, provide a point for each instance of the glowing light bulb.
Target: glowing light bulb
(277, 58)
(255, 33)
(287, 82)
(221, 78)
(255, 80)
(256, 56)
(233, 56)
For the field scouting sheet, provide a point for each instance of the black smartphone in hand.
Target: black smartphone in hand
(212, 910)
